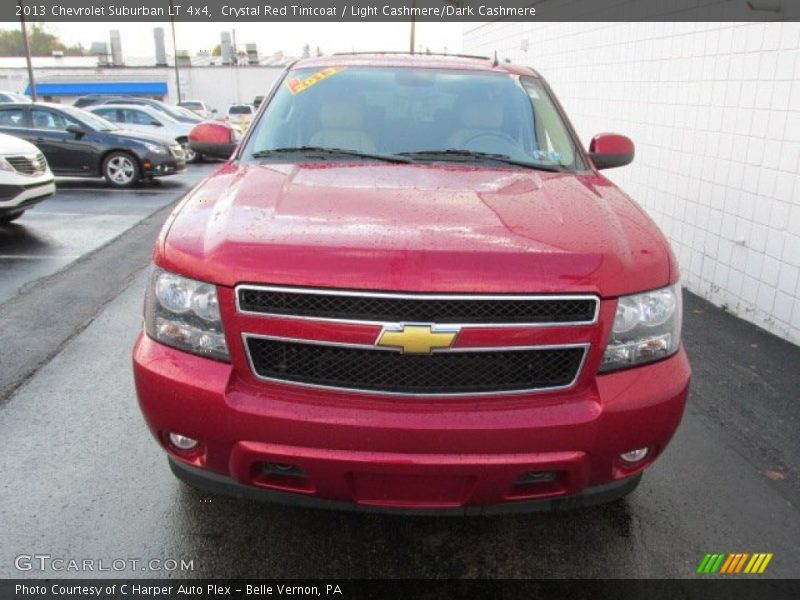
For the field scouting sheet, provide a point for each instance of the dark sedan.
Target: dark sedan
(80, 144)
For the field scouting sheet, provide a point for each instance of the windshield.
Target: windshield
(161, 116)
(176, 112)
(94, 121)
(186, 113)
(240, 109)
(421, 113)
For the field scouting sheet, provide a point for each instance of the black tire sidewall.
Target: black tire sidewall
(184, 142)
(8, 218)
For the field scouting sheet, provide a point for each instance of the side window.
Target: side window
(109, 114)
(48, 119)
(138, 117)
(12, 117)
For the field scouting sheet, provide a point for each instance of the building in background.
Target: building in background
(212, 79)
(62, 79)
(714, 110)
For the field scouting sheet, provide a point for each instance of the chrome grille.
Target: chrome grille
(365, 368)
(383, 368)
(346, 305)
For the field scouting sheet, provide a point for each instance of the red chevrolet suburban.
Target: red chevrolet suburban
(411, 289)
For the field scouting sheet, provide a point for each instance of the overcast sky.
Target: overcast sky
(137, 38)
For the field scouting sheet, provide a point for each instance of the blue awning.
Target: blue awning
(122, 88)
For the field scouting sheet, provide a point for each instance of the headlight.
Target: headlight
(647, 327)
(184, 313)
(156, 148)
(5, 166)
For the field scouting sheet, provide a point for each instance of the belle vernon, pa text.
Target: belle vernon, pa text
(138, 590)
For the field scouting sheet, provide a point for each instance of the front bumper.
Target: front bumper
(461, 455)
(219, 484)
(158, 165)
(14, 198)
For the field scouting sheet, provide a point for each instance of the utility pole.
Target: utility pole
(413, 25)
(235, 51)
(175, 52)
(31, 82)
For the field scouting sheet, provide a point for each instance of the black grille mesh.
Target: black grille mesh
(423, 310)
(438, 373)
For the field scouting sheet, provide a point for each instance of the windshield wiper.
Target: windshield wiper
(393, 158)
(466, 154)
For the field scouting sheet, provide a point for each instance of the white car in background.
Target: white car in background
(240, 115)
(136, 117)
(13, 98)
(198, 107)
(25, 177)
(182, 110)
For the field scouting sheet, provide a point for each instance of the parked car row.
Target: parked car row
(122, 139)
(187, 111)
(79, 143)
(176, 112)
(148, 120)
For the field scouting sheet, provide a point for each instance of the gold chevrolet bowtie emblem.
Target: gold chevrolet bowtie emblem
(416, 339)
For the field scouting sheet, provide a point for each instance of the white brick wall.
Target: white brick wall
(714, 111)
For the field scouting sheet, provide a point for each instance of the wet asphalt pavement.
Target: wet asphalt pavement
(83, 215)
(81, 477)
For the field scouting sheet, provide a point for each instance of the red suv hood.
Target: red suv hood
(414, 227)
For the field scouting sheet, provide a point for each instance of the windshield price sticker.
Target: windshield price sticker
(298, 85)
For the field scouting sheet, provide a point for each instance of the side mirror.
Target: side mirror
(75, 130)
(156, 124)
(214, 139)
(610, 150)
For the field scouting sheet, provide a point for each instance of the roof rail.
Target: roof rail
(400, 52)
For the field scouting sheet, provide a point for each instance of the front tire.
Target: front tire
(4, 219)
(121, 170)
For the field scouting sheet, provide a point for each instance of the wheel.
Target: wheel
(121, 170)
(191, 155)
(10, 217)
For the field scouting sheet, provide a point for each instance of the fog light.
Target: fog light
(634, 456)
(181, 442)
